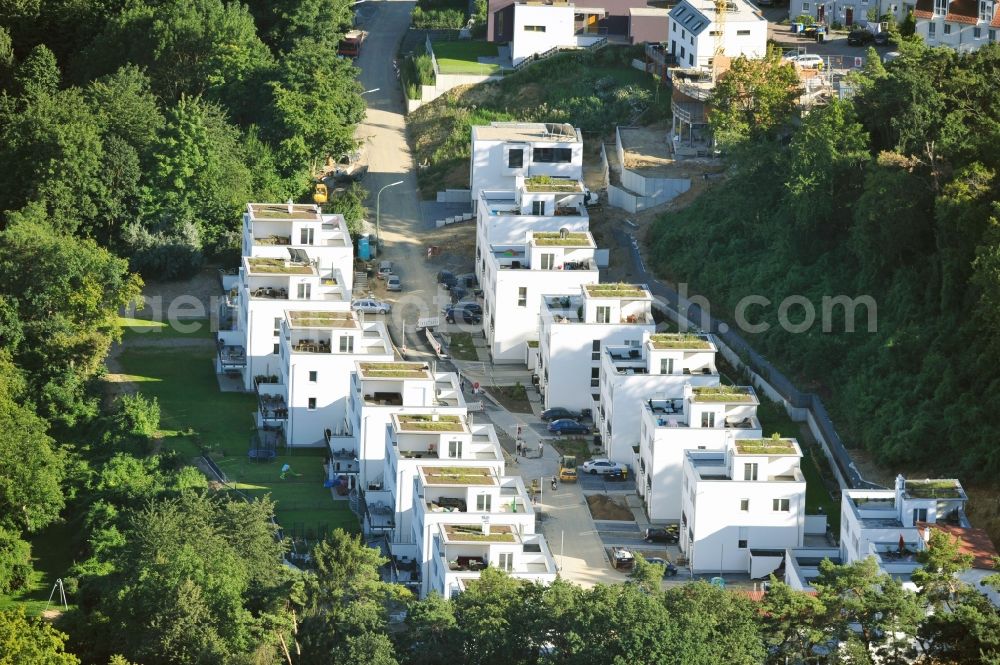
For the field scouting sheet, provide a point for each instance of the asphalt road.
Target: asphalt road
(390, 160)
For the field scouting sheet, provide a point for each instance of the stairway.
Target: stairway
(360, 283)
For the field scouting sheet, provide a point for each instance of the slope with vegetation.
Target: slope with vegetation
(892, 195)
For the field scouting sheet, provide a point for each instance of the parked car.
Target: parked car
(882, 38)
(458, 292)
(667, 535)
(468, 280)
(806, 61)
(860, 37)
(384, 269)
(466, 312)
(447, 278)
(393, 283)
(371, 306)
(622, 559)
(600, 465)
(621, 473)
(568, 426)
(559, 413)
(669, 569)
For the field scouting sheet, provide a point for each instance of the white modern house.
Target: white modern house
(516, 276)
(317, 352)
(693, 28)
(848, 12)
(705, 418)
(540, 26)
(294, 257)
(963, 26)
(504, 151)
(536, 203)
(660, 367)
(574, 331)
(466, 520)
(742, 508)
(381, 389)
(889, 524)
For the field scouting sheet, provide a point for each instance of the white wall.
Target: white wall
(489, 169)
(698, 49)
(962, 37)
(557, 22)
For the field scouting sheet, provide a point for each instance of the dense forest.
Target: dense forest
(147, 125)
(891, 194)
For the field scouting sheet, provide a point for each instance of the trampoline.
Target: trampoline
(263, 445)
(261, 454)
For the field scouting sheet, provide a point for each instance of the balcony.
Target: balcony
(271, 406)
(231, 357)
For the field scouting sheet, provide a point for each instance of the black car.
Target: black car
(468, 312)
(558, 413)
(468, 280)
(667, 535)
(669, 569)
(882, 38)
(458, 292)
(860, 38)
(447, 278)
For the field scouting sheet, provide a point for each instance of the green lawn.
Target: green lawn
(142, 329)
(461, 347)
(196, 415)
(52, 556)
(462, 57)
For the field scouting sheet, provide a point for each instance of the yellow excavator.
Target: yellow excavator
(320, 193)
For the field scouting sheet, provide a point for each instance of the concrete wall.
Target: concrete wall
(454, 196)
(442, 84)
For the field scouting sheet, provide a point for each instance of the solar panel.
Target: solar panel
(298, 255)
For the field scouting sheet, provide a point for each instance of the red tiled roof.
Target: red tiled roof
(924, 9)
(995, 23)
(963, 11)
(971, 541)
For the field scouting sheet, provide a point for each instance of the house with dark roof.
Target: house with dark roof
(964, 25)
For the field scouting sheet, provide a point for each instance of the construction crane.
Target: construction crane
(721, 10)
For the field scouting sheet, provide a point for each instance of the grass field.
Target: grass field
(462, 57)
(196, 416)
(461, 347)
(52, 557)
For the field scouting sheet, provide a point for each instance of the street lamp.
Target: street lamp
(378, 210)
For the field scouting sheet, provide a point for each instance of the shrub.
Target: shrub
(15, 561)
(164, 255)
(804, 19)
(836, 25)
(350, 202)
(437, 19)
(424, 68)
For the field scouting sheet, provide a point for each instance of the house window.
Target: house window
(666, 366)
(691, 59)
(919, 515)
(277, 326)
(805, 6)
(522, 296)
(312, 403)
(548, 261)
(595, 350)
(992, 35)
(940, 7)
(947, 28)
(683, 51)
(595, 377)
(306, 235)
(931, 30)
(673, 27)
(484, 503)
(603, 314)
(742, 33)
(985, 10)
(277, 349)
(313, 375)
(506, 561)
(683, 34)
(741, 544)
(534, 28)
(691, 40)
(454, 449)
(745, 505)
(347, 344)
(515, 159)
(552, 155)
(750, 471)
(977, 33)
(305, 291)
(708, 419)
(538, 207)
(779, 505)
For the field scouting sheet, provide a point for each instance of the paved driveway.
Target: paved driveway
(389, 161)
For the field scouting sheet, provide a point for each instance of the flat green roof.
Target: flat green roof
(301, 319)
(544, 183)
(615, 290)
(279, 211)
(679, 341)
(457, 475)
(427, 423)
(557, 239)
(393, 370)
(766, 447)
(934, 489)
(723, 394)
(474, 533)
(259, 264)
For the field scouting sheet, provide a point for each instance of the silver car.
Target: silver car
(392, 283)
(371, 306)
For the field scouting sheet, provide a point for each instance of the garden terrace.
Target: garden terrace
(421, 423)
(723, 394)
(615, 290)
(390, 370)
(457, 475)
(556, 239)
(679, 341)
(322, 320)
(766, 447)
(544, 183)
(473, 533)
(934, 489)
(264, 265)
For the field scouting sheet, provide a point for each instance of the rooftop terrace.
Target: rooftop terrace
(663, 341)
(527, 131)
(457, 475)
(473, 533)
(723, 394)
(428, 423)
(771, 446)
(616, 290)
(280, 211)
(394, 370)
(558, 239)
(934, 489)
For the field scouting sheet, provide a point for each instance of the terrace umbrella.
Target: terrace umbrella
(902, 544)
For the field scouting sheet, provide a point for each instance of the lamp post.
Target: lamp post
(369, 91)
(378, 210)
